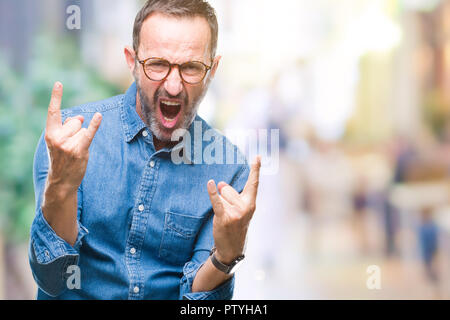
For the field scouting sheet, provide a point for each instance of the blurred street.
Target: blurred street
(294, 255)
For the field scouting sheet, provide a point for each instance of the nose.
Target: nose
(173, 83)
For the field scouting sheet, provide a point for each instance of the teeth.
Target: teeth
(168, 120)
(170, 103)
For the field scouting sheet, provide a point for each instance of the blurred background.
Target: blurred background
(360, 91)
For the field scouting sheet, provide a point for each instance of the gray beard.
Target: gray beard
(149, 113)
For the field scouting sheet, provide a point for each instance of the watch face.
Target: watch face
(236, 266)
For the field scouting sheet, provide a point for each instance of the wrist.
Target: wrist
(227, 266)
(59, 189)
(56, 201)
(224, 259)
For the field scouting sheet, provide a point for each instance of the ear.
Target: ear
(130, 58)
(215, 66)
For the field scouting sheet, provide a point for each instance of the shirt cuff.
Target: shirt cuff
(223, 292)
(47, 245)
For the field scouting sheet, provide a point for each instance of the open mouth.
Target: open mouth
(170, 112)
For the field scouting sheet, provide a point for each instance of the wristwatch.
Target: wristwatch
(227, 269)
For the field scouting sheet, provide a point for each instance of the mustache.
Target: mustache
(162, 93)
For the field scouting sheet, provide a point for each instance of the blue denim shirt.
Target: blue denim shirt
(144, 222)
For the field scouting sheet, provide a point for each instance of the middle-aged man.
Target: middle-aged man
(131, 223)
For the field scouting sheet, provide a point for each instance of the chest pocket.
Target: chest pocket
(178, 238)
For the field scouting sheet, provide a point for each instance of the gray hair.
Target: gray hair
(178, 8)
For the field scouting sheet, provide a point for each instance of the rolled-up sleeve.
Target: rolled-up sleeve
(201, 253)
(49, 254)
(223, 292)
(205, 242)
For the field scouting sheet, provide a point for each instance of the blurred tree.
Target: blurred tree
(24, 99)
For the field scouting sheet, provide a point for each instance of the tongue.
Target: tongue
(170, 112)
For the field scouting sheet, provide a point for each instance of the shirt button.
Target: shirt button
(136, 289)
(132, 250)
(145, 133)
(141, 207)
(152, 163)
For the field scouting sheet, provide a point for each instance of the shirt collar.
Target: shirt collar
(131, 122)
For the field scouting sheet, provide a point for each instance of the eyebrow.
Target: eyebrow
(206, 56)
(189, 60)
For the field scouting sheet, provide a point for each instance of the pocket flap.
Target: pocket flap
(186, 226)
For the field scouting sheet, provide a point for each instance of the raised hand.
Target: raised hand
(68, 144)
(232, 214)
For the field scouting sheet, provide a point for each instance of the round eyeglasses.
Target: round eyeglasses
(157, 69)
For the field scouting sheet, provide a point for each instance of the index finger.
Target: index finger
(214, 198)
(54, 108)
(251, 187)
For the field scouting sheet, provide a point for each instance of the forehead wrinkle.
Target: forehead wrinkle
(177, 42)
(177, 52)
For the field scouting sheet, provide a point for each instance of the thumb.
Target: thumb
(215, 198)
